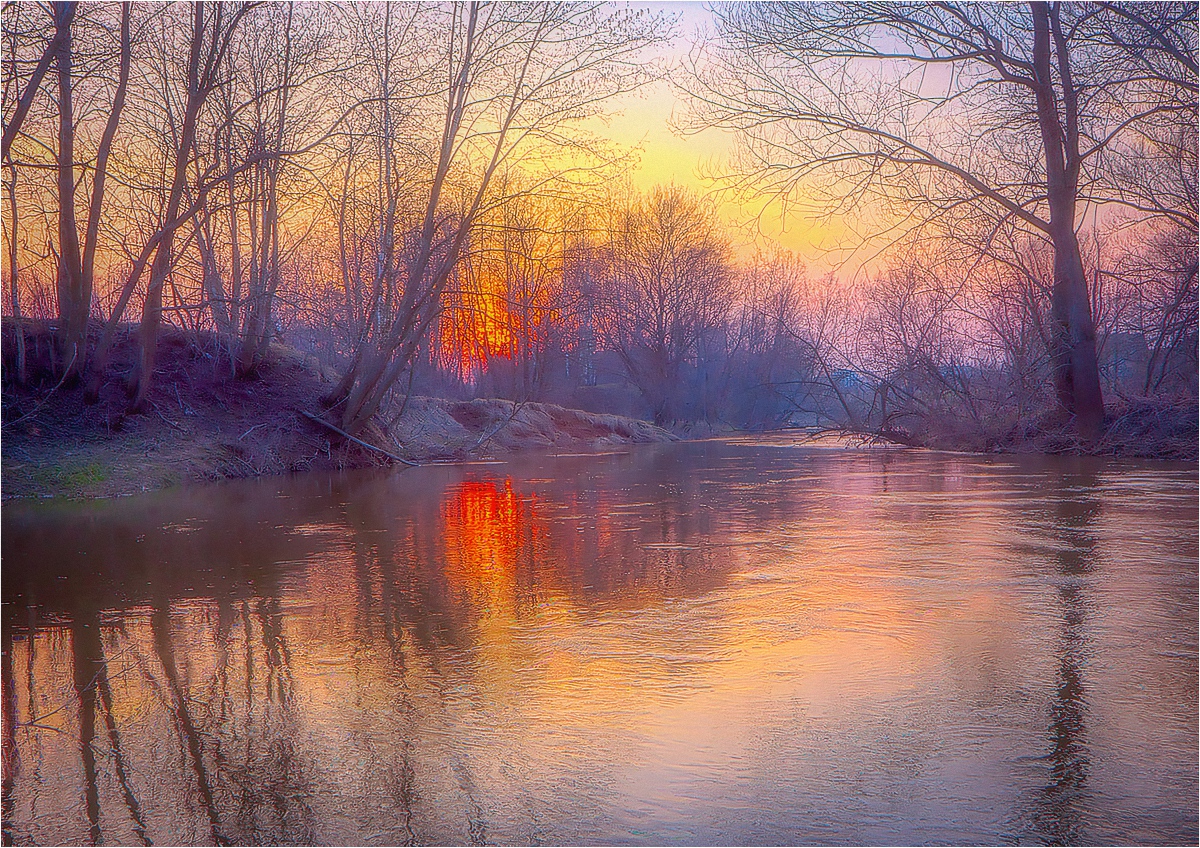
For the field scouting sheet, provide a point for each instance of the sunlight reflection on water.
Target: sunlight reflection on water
(705, 642)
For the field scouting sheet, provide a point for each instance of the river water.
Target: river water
(717, 642)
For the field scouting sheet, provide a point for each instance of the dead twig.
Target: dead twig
(251, 430)
(486, 437)
(165, 418)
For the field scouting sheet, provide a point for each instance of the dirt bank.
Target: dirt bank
(1143, 428)
(202, 424)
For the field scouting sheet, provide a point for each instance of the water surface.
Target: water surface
(718, 643)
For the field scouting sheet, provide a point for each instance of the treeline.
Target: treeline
(203, 160)
(1034, 166)
(412, 192)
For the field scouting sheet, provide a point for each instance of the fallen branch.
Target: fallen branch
(251, 430)
(166, 419)
(484, 437)
(356, 440)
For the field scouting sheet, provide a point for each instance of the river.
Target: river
(723, 642)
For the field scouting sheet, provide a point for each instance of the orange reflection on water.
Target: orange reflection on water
(490, 533)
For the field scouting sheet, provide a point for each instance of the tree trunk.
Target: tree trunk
(213, 286)
(1073, 340)
(12, 272)
(73, 295)
(1076, 369)
(197, 90)
(143, 370)
(96, 204)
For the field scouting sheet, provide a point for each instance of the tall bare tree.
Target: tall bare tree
(77, 260)
(510, 77)
(999, 110)
(212, 28)
(73, 297)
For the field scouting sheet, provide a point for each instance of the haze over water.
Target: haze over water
(717, 642)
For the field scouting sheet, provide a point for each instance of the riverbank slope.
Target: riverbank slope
(201, 424)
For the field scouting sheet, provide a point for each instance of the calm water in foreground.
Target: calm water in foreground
(722, 642)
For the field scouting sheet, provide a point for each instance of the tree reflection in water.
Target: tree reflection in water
(8, 690)
(1057, 814)
(236, 754)
(469, 655)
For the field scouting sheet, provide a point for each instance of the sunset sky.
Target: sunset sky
(644, 121)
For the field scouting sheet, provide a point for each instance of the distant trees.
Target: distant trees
(767, 372)
(1161, 309)
(668, 283)
(513, 299)
(1009, 113)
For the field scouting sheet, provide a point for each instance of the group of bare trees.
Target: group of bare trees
(168, 64)
(996, 125)
(412, 186)
(667, 286)
(253, 127)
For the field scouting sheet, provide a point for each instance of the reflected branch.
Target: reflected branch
(160, 623)
(7, 797)
(85, 648)
(114, 738)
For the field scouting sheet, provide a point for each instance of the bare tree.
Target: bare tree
(511, 77)
(511, 295)
(768, 375)
(72, 301)
(211, 31)
(668, 285)
(1000, 110)
(77, 261)
(284, 55)
(23, 101)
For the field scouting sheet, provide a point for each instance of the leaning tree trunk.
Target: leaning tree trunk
(197, 91)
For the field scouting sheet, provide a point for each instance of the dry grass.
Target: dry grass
(1143, 427)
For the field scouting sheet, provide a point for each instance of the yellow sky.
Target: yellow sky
(644, 121)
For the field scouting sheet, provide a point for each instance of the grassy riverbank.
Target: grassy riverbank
(201, 424)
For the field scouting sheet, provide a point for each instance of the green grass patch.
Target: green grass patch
(66, 479)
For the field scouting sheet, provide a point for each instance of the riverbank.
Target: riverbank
(203, 425)
(1134, 428)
